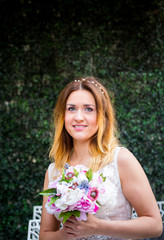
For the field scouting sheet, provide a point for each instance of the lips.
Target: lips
(79, 126)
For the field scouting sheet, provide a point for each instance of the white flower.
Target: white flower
(60, 204)
(81, 177)
(61, 188)
(69, 197)
(73, 196)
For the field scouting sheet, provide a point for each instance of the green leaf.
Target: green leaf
(76, 172)
(89, 174)
(53, 199)
(63, 175)
(98, 203)
(49, 192)
(66, 180)
(104, 178)
(68, 214)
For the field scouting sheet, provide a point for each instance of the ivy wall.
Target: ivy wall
(43, 46)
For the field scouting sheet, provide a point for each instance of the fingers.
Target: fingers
(68, 235)
(72, 219)
(75, 228)
(70, 222)
(70, 226)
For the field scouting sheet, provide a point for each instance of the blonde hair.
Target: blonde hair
(103, 143)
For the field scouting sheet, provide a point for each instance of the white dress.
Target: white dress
(118, 208)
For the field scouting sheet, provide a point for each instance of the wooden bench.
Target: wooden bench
(34, 224)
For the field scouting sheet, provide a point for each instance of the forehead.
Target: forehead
(81, 97)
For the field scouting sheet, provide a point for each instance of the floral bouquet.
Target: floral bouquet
(76, 192)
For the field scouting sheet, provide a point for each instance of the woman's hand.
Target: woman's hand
(76, 229)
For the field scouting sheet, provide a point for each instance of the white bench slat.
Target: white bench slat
(37, 211)
(33, 229)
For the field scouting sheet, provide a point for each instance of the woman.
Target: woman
(85, 134)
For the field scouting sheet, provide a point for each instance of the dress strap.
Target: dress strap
(117, 149)
(116, 164)
(50, 170)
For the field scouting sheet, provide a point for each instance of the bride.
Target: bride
(85, 134)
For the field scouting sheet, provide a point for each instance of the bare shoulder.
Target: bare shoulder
(130, 170)
(126, 159)
(124, 155)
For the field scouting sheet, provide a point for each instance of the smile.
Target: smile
(79, 126)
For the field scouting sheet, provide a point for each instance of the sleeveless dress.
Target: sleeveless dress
(117, 208)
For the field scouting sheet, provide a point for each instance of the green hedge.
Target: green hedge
(40, 54)
(26, 137)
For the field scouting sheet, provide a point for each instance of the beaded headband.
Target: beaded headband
(92, 82)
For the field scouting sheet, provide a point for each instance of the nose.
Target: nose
(79, 115)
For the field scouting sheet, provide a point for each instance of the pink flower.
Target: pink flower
(96, 208)
(83, 205)
(69, 175)
(51, 208)
(93, 193)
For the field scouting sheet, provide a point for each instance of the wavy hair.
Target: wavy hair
(102, 143)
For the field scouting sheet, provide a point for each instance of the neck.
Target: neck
(80, 155)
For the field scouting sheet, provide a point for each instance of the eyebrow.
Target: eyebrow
(85, 105)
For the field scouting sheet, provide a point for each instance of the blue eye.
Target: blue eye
(88, 109)
(72, 109)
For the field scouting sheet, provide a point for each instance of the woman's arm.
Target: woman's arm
(138, 192)
(50, 226)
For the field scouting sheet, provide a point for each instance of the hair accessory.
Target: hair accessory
(92, 82)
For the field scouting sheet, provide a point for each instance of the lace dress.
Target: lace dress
(117, 208)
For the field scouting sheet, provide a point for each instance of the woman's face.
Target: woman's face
(81, 115)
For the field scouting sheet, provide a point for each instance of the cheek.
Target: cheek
(67, 121)
(96, 123)
(96, 127)
(94, 119)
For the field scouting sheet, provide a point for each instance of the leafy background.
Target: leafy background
(46, 44)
